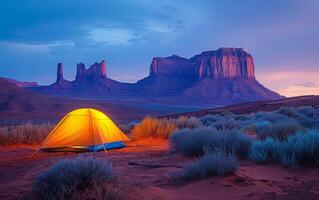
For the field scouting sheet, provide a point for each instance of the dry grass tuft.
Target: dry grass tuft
(27, 133)
(153, 128)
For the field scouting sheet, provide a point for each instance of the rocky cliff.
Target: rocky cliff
(220, 77)
(94, 72)
(223, 63)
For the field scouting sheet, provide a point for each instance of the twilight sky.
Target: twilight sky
(282, 36)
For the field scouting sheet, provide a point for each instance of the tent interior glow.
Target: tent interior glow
(84, 129)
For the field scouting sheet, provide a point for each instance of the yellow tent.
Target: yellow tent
(84, 130)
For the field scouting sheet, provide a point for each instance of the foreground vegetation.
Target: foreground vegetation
(79, 178)
(288, 136)
(26, 133)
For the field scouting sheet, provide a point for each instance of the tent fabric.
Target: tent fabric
(84, 130)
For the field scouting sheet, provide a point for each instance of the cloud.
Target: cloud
(307, 84)
(34, 47)
(113, 36)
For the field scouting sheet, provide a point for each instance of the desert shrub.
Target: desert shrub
(187, 122)
(242, 117)
(215, 164)
(307, 122)
(301, 148)
(210, 119)
(226, 124)
(288, 111)
(308, 111)
(189, 142)
(71, 176)
(280, 130)
(272, 117)
(263, 151)
(261, 125)
(27, 133)
(195, 142)
(151, 127)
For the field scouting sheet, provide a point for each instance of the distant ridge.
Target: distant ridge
(252, 107)
(22, 83)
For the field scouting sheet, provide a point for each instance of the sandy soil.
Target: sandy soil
(145, 170)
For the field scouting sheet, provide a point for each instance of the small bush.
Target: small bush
(271, 117)
(299, 149)
(308, 111)
(226, 124)
(289, 112)
(307, 122)
(71, 176)
(195, 142)
(155, 128)
(24, 134)
(263, 151)
(210, 119)
(188, 122)
(190, 142)
(215, 164)
(279, 131)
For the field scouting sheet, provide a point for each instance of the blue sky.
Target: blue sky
(282, 36)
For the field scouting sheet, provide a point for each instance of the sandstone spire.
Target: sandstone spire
(59, 75)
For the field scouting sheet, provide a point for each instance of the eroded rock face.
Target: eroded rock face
(94, 72)
(223, 63)
(172, 66)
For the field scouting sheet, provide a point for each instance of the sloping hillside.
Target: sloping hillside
(19, 104)
(311, 100)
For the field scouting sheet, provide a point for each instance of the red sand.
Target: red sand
(251, 181)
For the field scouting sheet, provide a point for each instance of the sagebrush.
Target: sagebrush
(70, 177)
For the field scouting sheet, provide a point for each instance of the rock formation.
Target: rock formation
(223, 63)
(172, 66)
(220, 77)
(59, 75)
(95, 72)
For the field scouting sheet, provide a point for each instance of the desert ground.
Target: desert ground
(144, 171)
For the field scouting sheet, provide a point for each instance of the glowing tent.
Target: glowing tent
(84, 130)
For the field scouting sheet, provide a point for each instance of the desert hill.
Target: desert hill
(19, 104)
